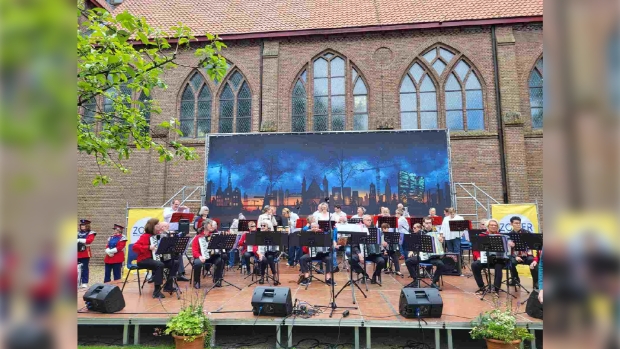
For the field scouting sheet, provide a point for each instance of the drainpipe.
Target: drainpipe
(260, 85)
(500, 120)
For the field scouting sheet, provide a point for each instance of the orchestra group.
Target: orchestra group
(384, 255)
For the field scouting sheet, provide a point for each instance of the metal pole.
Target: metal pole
(136, 335)
(278, 336)
(450, 343)
(356, 335)
(126, 333)
(437, 339)
(533, 331)
(290, 336)
(367, 337)
(476, 198)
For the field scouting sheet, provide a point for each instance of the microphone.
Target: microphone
(327, 199)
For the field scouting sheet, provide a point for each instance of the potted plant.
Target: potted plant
(191, 328)
(499, 329)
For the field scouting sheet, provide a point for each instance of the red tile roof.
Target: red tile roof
(263, 16)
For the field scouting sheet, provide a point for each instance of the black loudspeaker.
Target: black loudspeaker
(104, 298)
(183, 226)
(420, 302)
(272, 301)
(452, 261)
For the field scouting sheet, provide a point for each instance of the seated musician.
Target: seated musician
(245, 250)
(413, 259)
(305, 262)
(144, 249)
(264, 256)
(358, 258)
(309, 222)
(360, 212)
(521, 257)
(216, 259)
(390, 253)
(477, 265)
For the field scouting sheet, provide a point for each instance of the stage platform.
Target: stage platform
(379, 310)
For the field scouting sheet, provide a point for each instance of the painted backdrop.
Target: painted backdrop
(299, 170)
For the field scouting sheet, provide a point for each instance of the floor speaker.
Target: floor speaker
(272, 301)
(420, 302)
(104, 298)
(452, 261)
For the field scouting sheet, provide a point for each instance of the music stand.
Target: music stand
(415, 220)
(325, 225)
(533, 241)
(178, 216)
(489, 244)
(418, 243)
(520, 246)
(243, 224)
(437, 220)
(173, 246)
(392, 239)
(314, 239)
(222, 242)
(265, 238)
(459, 226)
(355, 220)
(355, 238)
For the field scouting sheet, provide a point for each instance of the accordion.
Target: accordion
(81, 247)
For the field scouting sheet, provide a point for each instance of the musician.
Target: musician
(85, 238)
(294, 252)
(405, 211)
(309, 221)
(144, 249)
(483, 223)
(321, 214)
(216, 259)
(477, 265)
(432, 212)
(114, 257)
(385, 212)
(176, 207)
(267, 216)
(305, 262)
(403, 229)
(358, 257)
(521, 257)
(265, 257)
(274, 213)
(413, 260)
(234, 229)
(244, 249)
(453, 238)
(389, 253)
(338, 214)
(360, 212)
(200, 217)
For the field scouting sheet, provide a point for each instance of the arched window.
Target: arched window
(235, 105)
(463, 85)
(196, 108)
(438, 58)
(418, 100)
(536, 94)
(360, 102)
(145, 109)
(299, 104)
(89, 111)
(329, 93)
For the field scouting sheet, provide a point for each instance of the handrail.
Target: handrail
(186, 198)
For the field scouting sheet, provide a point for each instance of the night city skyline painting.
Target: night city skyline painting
(300, 170)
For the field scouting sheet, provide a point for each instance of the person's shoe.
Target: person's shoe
(197, 285)
(320, 271)
(336, 270)
(373, 281)
(182, 278)
(436, 286)
(150, 280)
(331, 282)
(513, 282)
(480, 291)
(170, 289)
(386, 270)
(301, 279)
(218, 284)
(305, 282)
(399, 274)
(158, 294)
(261, 281)
(276, 283)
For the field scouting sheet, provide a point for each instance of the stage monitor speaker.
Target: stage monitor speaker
(452, 261)
(420, 302)
(104, 298)
(272, 301)
(183, 226)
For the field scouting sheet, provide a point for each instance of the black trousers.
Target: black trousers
(215, 260)
(476, 268)
(305, 262)
(525, 260)
(413, 263)
(268, 259)
(157, 267)
(393, 255)
(246, 257)
(359, 268)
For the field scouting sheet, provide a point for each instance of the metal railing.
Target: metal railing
(481, 200)
(188, 194)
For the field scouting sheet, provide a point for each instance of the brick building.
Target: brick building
(472, 66)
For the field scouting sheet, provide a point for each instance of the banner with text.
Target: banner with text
(136, 220)
(527, 212)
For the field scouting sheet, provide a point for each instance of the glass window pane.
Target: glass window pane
(204, 109)
(454, 100)
(204, 94)
(360, 88)
(472, 82)
(474, 99)
(360, 122)
(187, 127)
(475, 120)
(445, 54)
(226, 125)
(226, 115)
(244, 125)
(337, 65)
(539, 65)
(427, 85)
(299, 90)
(188, 94)
(428, 120)
(236, 79)
(535, 79)
(90, 108)
(187, 110)
(337, 86)
(196, 81)
(407, 85)
(428, 101)
(461, 69)
(452, 84)
(537, 117)
(536, 97)
(244, 108)
(244, 92)
(299, 124)
(439, 66)
(359, 104)
(299, 106)
(416, 71)
(146, 110)
(454, 120)
(338, 122)
(204, 127)
(304, 76)
(329, 55)
(320, 87)
(430, 55)
(338, 105)
(320, 106)
(409, 121)
(227, 93)
(408, 102)
(320, 68)
(320, 122)
(353, 75)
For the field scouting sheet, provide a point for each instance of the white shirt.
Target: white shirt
(445, 228)
(292, 222)
(356, 216)
(403, 225)
(321, 216)
(168, 211)
(270, 219)
(336, 216)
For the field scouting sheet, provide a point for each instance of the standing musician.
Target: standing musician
(294, 252)
(274, 213)
(115, 256)
(321, 214)
(434, 259)
(169, 211)
(338, 214)
(453, 238)
(358, 257)
(360, 212)
(305, 262)
(477, 265)
(390, 253)
(145, 248)
(85, 238)
(265, 257)
(245, 250)
(405, 211)
(403, 229)
(201, 258)
(521, 257)
(267, 216)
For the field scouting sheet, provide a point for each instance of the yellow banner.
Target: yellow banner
(136, 220)
(527, 212)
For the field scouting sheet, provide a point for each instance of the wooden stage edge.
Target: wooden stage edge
(379, 310)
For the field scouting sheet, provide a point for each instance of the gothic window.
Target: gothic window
(438, 58)
(195, 108)
(329, 93)
(360, 102)
(464, 101)
(299, 104)
(235, 106)
(536, 94)
(89, 111)
(418, 100)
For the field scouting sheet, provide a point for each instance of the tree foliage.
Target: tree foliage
(121, 60)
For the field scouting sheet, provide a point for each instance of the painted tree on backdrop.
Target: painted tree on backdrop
(121, 60)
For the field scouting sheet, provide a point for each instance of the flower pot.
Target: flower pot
(496, 344)
(198, 343)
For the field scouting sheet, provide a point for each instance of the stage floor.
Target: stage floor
(379, 309)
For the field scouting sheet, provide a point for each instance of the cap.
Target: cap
(84, 221)
(117, 226)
